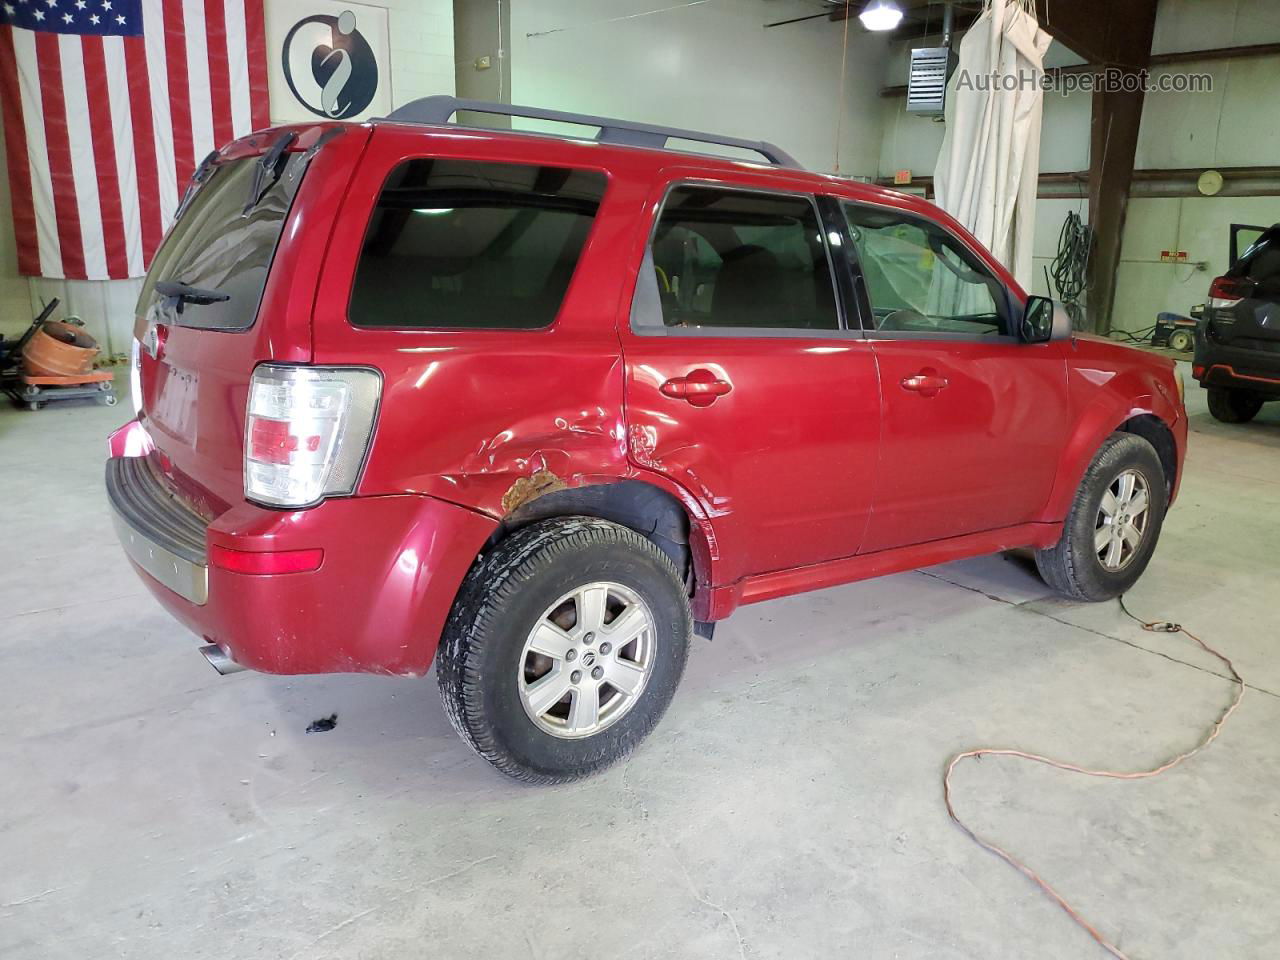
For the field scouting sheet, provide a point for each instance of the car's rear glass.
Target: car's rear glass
(215, 245)
(1261, 262)
(459, 244)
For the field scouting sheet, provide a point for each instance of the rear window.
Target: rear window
(216, 246)
(456, 244)
(1261, 262)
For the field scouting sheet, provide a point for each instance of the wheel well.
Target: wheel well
(651, 512)
(1154, 430)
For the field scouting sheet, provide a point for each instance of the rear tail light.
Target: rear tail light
(307, 430)
(1226, 292)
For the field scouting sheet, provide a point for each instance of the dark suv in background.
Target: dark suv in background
(1237, 355)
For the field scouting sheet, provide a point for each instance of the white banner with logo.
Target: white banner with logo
(327, 60)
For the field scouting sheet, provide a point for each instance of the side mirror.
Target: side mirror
(1044, 320)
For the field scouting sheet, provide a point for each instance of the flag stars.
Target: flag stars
(106, 4)
(120, 20)
(67, 18)
(39, 14)
(9, 9)
(52, 3)
(81, 4)
(95, 19)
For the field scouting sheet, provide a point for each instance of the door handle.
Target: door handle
(926, 383)
(700, 388)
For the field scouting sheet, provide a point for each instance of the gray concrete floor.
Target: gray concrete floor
(788, 806)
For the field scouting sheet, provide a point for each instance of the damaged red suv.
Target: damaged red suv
(539, 408)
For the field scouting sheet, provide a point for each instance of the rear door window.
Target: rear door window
(459, 244)
(742, 260)
(217, 244)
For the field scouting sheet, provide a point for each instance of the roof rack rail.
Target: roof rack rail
(439, 109)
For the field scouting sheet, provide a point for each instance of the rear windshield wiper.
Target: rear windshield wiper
(268, 166)
(186, 293)
(203, 172)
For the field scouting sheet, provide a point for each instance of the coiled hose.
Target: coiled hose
(1067, 273)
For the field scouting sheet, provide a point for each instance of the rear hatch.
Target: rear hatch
(224, 294)
(1243, 310)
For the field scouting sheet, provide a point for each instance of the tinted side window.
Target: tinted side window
(920, 279)
(460, 244)
(727, 258)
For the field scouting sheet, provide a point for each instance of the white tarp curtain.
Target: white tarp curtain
(988, 169)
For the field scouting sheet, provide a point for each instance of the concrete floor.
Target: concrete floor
(789, 805)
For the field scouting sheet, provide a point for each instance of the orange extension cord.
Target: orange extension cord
(1159, 626)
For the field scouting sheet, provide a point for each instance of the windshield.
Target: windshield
(216, 246)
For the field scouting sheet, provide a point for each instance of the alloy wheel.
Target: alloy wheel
(1122, 520)
(586, 661)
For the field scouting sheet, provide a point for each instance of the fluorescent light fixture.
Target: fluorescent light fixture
(881, 15)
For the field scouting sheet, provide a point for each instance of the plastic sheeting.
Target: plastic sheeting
(988, 169)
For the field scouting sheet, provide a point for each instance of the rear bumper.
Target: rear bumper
(377, 603)
(162, 536)
(1220, 365)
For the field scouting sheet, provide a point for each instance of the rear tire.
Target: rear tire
(1233, 406)
(536, 616)
(1181, 340)
(1114, 523)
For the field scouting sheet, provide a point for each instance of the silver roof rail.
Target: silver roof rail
(439, 109)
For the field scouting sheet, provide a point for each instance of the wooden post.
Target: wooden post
(1116, 35)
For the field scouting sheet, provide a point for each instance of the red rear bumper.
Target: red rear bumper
(377, 603)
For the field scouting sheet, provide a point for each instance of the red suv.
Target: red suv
(540, 407)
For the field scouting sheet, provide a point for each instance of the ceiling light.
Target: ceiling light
(881, 15)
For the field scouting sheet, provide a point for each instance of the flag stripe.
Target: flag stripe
(15, 143)
(47, 242)
(238, 68)
(175, 49)
(104, 157)
(198, 80)
(122, 144)
(219, 71)
(58, 142)
(256, 30)
(157, 65)
(151, 223)
(75, 97)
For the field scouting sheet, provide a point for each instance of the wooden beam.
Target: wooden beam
(1113, 144)
(1102, 31)
(1217, 53)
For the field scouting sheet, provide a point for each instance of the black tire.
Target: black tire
(1233, 406)
(1073, 567)
(505, 594)
(1182, 341)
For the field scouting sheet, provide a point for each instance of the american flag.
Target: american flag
(109, 105)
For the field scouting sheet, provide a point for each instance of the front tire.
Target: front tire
(564, 648)
(1114, 523)
(1233, 406)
